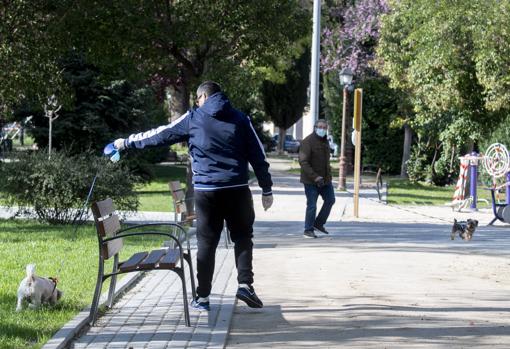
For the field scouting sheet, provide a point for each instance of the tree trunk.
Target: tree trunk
(50, 130)
(179, 104)
(349, 147)
(179, 100)
(406, 153)
(470, 145)
(281, 139)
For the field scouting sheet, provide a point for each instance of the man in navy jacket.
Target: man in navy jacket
(222, 142)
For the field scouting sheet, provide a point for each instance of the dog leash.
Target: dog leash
(54, 280)
(77, 222)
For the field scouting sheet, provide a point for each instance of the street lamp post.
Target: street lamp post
(346, 76)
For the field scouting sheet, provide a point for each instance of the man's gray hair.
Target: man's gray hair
(320, 121)
(209, 88)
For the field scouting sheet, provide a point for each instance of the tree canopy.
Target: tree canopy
(284, 101)
(168, 44)
(178, 43)
(443, 54)
(351, 35)
(28, 61)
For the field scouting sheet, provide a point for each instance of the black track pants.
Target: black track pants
(235, 207)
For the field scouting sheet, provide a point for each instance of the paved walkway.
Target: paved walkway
(391, 278)
(151, 316)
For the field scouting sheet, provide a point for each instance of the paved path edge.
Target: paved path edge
(66, 334)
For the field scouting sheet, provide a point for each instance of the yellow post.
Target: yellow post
(358, 98)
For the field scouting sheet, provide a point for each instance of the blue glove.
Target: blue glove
(111, 152)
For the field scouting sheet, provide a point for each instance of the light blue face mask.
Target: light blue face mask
(321, 132)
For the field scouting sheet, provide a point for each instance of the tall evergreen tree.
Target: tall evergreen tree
(284, 102)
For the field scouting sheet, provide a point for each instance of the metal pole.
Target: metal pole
(341, 167)
(314, 78)
(49, 137)
(473, 178)
(507, 188)
(358, 101)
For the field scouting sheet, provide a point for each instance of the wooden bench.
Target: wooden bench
(378, 185)
(179, 201)
(181, 210)
(110, 237)
(174, 157)
(500, 210)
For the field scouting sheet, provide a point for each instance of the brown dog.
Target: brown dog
(464, 229)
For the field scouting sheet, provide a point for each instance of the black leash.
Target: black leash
(77, 222)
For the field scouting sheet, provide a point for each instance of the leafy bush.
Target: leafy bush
(418, 166)
(55, 189)
(441, 175)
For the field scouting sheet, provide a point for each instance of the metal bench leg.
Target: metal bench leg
(113, 281)
(180, 272)
(97, 292)
(187, 257)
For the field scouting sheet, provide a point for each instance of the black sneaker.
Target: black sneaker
(321, 229)
(200, 306)
(309, 234)
(249, 296)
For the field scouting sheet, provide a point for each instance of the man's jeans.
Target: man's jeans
(312, 194)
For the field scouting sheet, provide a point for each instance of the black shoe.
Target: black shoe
(249, 296)
(321, 229)
(309, 234)
(200, 306)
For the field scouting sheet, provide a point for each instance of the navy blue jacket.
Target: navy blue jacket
(221, 142)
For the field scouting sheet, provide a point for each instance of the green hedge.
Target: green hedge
(55, 189)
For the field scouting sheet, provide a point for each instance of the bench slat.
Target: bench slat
(110, 248)
(133, 261)
(109, 226)
(152, 259)
(102, 208)
(169, 260)
(178, 195)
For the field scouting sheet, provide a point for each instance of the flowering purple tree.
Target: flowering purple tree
(351, 37)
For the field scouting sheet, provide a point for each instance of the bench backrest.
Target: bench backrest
(107, 225)
(179, 197)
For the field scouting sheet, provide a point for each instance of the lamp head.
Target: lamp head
(346, 76)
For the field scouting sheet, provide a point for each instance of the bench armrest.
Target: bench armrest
(141, 233)
(186, 233)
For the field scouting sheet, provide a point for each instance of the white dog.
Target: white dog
(37, 290)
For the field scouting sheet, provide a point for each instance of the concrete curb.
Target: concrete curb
(160, 322)
(67, 333)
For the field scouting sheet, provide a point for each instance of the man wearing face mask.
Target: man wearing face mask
(314, 156)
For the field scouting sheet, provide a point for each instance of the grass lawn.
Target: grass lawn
(47, 246)
(156, 196)
(404, 192)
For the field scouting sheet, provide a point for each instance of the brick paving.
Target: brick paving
(150, 315)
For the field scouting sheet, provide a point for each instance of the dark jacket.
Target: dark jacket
(314, 156)
(221, 142)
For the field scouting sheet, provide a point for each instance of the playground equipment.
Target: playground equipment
(459, 201)
(496, 163)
